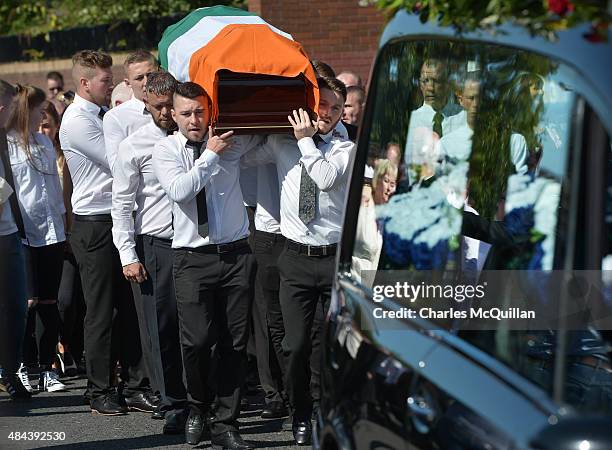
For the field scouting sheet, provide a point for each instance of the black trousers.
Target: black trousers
(267, 315)
(155, 302)
(111, 326)
(71, 306)
(305, 286)
(13, 301)
(214, 294)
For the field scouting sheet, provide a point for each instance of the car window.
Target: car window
(468, 176)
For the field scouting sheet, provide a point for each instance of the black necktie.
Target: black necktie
(308, 192)
(201, 197)
(101, 113)
(145, 111)
(437, 123)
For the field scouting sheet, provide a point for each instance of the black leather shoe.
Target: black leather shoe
(158, 414)
(302, 432)
(142, 401)
(230, 440)
(195, 428)
(175, 422)
(274, 410)
(108, 405)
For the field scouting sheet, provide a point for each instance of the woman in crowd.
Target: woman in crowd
(34, 165)
(368, 237)
(70, 301)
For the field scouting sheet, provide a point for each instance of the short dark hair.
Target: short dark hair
(322, 69)
(54, 75)
(189, 89)
(140, 55)
(333, 84)
(356, 90)
(161, 83)
(92, 59)
(6, 90)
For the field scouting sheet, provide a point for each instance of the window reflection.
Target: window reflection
(468, 172)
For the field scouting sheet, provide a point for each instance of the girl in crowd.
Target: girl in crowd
(37, 185)
(70, 301)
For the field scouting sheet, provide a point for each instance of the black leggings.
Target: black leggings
(44, 269)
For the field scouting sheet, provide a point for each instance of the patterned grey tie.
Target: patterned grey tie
(308, 192)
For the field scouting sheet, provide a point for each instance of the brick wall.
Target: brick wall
(338, 32)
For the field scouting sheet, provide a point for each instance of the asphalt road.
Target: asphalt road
(64, 412)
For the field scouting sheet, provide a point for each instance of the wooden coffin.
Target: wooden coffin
(254, 104)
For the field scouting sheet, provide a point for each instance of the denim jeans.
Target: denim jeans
(13, 302)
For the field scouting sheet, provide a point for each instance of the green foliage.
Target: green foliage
(38, 17)
(540, 17)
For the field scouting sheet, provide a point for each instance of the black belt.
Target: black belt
(94, 218)
(312, 250)
(221, 248)
(270, 236)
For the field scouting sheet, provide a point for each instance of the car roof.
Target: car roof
(591, 61)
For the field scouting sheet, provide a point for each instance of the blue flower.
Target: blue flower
(519, 221)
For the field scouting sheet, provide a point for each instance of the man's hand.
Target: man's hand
(302, 125)
(135, 272)
(218, 143)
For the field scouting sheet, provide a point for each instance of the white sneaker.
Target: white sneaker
(22, 374)
(49, 382)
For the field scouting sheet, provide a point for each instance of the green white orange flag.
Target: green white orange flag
(219, 37)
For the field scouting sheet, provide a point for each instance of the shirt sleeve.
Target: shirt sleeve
(518, 153)
(5, 191)
(125, 185)
(87, 138)
(180, 184)
(113, 135)
(326, 173)
(52, 156)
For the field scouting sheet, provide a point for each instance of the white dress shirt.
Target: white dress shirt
(7, 222)
(328, 166)
(182, 178)
(457, 145)
(248, 185)
(421, 127)
(82, 141)
(134, 183)
(121, 121)
(38, 190)
(267, 214)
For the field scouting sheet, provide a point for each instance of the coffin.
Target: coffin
(258, 104)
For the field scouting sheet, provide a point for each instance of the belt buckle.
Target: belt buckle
(219, 249)
(308, 250)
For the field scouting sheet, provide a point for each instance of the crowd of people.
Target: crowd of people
(134, 249)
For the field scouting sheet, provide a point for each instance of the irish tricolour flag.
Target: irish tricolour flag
(219, 37)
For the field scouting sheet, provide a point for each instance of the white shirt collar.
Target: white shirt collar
(86, 104)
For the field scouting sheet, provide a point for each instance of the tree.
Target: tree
(38, 17)
(540, 17)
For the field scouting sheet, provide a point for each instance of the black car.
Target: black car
(483, 164)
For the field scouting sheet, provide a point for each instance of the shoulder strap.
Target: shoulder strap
(8, 176)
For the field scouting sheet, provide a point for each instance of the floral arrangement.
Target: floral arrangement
(531, 211)
(421, 227)
(540, 17)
